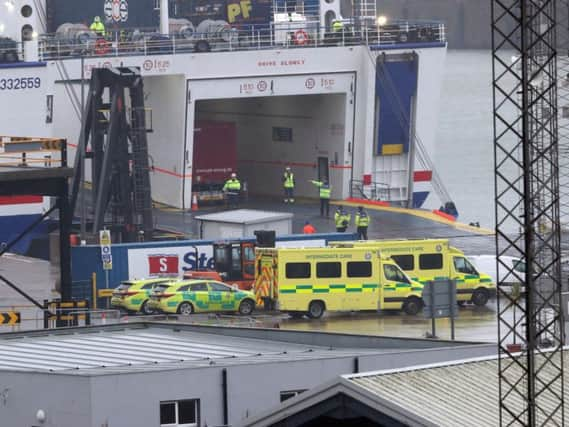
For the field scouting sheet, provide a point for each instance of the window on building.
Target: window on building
(431, 261)
(290, 393)
(180, 413)
(406, 262)
(297, 270)
(359, 269)
(282, 134)
(328, 269)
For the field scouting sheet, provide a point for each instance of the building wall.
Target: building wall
(65, 399)
(133, 399)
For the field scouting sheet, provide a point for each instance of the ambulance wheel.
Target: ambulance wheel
(246, 307)
(412, 306)
(316, 309)
(480, 297)
(144, 309)
(186, 309)
(296, 314)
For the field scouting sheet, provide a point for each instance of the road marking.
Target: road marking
(421, 214)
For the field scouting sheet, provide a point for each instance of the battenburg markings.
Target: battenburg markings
(10, 318)
(320, 289)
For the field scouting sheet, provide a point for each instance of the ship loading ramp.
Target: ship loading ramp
(254, 127)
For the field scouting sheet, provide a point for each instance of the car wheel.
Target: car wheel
(480, 297)
(412, 306)
(316, 309)
(145, 309)
(461, 303)
(186, 309)
(246, 307)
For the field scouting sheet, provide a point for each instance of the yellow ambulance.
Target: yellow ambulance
(310, 281)
(433, 259)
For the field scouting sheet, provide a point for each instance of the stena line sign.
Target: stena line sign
(175, 260)
(168, 261)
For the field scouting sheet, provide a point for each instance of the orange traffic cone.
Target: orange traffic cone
(195, 203)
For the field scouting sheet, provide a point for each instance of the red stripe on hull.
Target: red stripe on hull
(20, 200)
(422, 176)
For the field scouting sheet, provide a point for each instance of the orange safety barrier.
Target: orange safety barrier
(444, 215)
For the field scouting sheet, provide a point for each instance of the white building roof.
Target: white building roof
(245, 216)
(131, 348)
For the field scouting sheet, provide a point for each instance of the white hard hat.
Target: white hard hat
(287, 168)
(233, 175)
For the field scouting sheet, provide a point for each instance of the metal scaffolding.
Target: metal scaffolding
(113, 138)
(527, 210)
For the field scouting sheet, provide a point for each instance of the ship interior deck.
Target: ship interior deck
(279, 131)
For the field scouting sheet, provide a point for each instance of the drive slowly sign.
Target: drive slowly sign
(106, 256)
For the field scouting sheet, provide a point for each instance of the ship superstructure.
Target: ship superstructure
(331, 89)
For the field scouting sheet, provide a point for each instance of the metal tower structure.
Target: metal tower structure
(113, 137)
(527, 210)
(563, 97)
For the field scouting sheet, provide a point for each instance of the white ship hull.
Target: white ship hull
(329, 100)
(326, 95)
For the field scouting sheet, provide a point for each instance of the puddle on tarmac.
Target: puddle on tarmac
(473, 324)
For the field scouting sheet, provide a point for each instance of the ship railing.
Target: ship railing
(27, 151)
(279, 35)
(370, 190)
(10, 51)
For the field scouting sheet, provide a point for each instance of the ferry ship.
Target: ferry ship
(331, 88)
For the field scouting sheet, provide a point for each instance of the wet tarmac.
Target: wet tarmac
(38, 278)
(35, 277)
(383, 224)
(472, 324)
